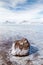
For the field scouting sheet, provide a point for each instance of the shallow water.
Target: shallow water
(34, 34)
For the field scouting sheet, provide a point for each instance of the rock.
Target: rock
(20, 47)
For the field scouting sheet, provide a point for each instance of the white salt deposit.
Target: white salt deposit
(34, 33)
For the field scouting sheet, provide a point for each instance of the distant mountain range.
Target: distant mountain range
(10, 22)
(21, 22)
(28, 22)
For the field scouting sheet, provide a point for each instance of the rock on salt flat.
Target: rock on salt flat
(34, 33)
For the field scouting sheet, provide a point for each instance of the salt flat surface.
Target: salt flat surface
(34, 34)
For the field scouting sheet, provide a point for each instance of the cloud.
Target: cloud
(12, 3)
(29, 15)
(19, 4)
(19, 10)
(6, 14)
(2, 4)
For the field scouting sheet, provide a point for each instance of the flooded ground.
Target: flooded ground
(9, 33)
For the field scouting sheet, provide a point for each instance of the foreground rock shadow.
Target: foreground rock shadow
(32, 50)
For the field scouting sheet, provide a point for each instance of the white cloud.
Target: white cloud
(28, 15)
(39, 1)
(15, 2)
(2, 3)
(6, 15)
(11, 3)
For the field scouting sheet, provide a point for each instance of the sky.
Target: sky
(20, 10)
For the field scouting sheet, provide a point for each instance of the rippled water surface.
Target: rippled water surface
(11, 32)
